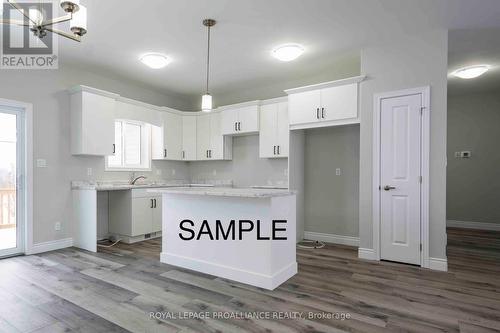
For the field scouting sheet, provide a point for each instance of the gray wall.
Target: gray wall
(332, 202)
(408, 62)
(246, 168)
(46, 91)
(473, 185)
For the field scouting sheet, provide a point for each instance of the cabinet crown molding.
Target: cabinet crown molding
(80, 88)
(329, 84)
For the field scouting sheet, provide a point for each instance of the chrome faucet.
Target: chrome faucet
(134, 180)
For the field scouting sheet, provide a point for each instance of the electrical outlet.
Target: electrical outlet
(57, 226)
(337, 172)
(41, 163)
(89, 171)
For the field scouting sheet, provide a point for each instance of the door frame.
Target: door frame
(424, 166)
(27, 225)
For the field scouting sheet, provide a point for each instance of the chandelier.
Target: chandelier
(39, 25)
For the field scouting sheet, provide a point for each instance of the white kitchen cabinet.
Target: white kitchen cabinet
(274, 131)
(304, 107)
(134, 214)
(339, 103)
(240, 120)
(142, 216)
(92, 121)
(167, 139)
(157, 216)
(189, 138)
(211, 144)
(203, 137)
(325, 104)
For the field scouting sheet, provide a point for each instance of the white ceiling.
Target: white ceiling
(120, 31)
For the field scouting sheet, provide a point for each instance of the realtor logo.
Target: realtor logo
(24, 46)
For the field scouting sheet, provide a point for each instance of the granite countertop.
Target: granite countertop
(226, 191)
(120, 185)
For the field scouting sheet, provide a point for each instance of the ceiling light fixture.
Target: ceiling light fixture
(471, 72)
(288, 52)
(206, 100)
(33, 18)
(155, 60)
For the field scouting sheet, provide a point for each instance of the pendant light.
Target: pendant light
(206, 100)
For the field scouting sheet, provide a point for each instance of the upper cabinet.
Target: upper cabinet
(212, 145)
(92, 121)
(240, 119)
(325, 104)
(167, 139)
(189, 138)
(274, 130)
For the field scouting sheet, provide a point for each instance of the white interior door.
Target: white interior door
(400, 165)
(12, 187)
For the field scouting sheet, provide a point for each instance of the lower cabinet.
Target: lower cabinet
(134, 213)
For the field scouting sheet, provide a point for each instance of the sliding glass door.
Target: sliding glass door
(11, 181)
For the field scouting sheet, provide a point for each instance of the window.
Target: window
(132, 147)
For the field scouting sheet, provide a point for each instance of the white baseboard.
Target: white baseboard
(438, 264)
(252, 278)
(331, 238)
(368, 254)
(473, 225)
(50, 246)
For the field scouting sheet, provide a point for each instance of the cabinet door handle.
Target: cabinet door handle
(323, 113)
(155, 202)
(210, 153)
(239, 126)
(274, 150)
(236, 126)
(151, 203)
(183, 154)
(278, 150)
(317, 113)
(164, 153)
(114, 148)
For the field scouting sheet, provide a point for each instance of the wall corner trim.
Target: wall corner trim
(50, 246)
(438, 264)
(331, 238)
(368, 254)
(473, 225)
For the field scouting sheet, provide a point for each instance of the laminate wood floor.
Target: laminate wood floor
(116, 289)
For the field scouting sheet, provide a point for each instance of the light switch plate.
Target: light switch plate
(337, 172)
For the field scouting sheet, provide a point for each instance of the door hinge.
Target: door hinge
(420, 247)
(379, 187)
(420, 179)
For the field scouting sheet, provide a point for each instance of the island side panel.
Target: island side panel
(284, 259)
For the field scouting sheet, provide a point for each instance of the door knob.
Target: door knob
(388, 188)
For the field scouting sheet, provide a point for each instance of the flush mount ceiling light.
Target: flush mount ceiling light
(471, 72)
(39, 25)
(206, 100)
(155, 60)
(288, 52)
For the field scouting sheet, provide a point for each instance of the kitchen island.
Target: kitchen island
(246, 235)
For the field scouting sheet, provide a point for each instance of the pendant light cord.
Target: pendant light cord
(208, 57)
